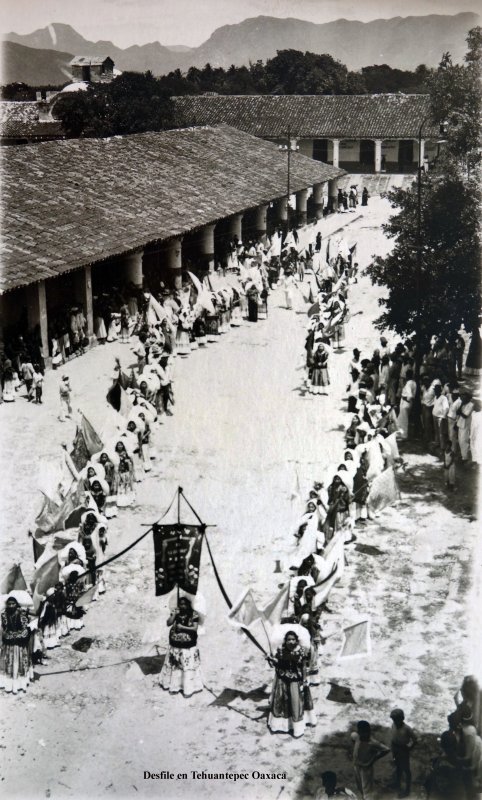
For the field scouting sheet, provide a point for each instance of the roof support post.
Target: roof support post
(282, 209)
(174, 261)
(236, 226)
(318, 199)
(132, 263)
(333, 194)
(421, 152)
(378, 155)
(260, 221)
(301, 206)
(37, 314)
(83, 291)
(207, 247)
(336, 152)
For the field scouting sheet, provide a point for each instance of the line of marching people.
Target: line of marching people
(337, 501)
(99, 476)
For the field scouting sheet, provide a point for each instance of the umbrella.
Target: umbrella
(278, 633)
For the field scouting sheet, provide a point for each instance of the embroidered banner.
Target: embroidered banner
(177, 555)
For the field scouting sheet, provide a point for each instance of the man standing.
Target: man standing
(403, 739)
(440, 410)
(27, 372)
(365, 753)
(65, 392)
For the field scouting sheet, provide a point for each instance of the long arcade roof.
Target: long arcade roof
(312, 116)
(66, 204)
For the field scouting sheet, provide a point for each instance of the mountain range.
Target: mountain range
(401, 42)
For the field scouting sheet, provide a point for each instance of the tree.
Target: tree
(433, 282)
(131, 103)
(448, 289)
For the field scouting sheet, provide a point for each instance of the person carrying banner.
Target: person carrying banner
(291, 705)
(181, 671)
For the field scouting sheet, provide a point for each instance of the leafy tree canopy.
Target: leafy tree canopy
(445, 291)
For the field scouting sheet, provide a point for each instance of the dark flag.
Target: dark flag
(177, 555)
(80, 453)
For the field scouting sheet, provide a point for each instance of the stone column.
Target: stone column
(336, 152)
(318, 199)
(260, 220)
(301, 206)
(421, 154)
(83, 293)
(333, 194)
(132, 265)
(282, 210)
(207, 247)
(173, 258)
(378, 155)
(37, 313)
(236, 226)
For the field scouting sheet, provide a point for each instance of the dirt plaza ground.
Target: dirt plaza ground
(94, 721)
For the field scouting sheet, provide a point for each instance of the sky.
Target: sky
(191, 22)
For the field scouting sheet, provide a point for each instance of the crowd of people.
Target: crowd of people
(383, 389)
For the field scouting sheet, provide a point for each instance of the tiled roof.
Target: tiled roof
(19, 120)
(93, 61)
(311, 116)
(71, 203)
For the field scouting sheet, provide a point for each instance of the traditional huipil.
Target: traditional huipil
(125, 491)
(181, 671)
(15, 661)
(291, 706)
(319, 368)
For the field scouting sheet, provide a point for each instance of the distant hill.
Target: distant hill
(138, 58)
(34, 66)
(178, 48)
(401, 42)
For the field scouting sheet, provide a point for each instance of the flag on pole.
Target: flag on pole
(357, 641)
(80, 454)
(244, 612)
(47, 513)
(383, 491)
(119, 399)
(13, 580)
(86, 598)
(277, 608)
(71, 501)
(296, 492)
(92, 439)
(177, 557)
(46, 577)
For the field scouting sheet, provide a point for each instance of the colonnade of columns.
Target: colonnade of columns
(130, 265)
(378, 153)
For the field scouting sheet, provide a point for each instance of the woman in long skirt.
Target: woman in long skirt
(319, 369)
(16, 669)
(181, 671)
(252, 295)
(291, 706)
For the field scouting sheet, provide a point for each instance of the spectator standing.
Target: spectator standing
(27, 371)
(37, 383)
(440, 410)
(65, 392)
(366, 752)
(402, 741)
